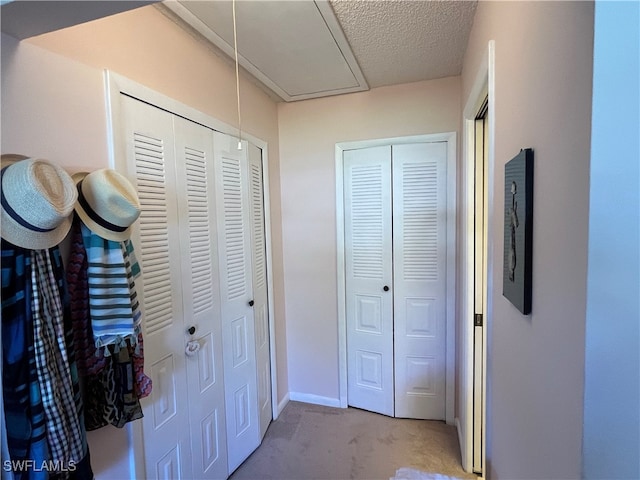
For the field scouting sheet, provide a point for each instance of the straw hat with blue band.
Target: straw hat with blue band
(107, 203)
(37, 200)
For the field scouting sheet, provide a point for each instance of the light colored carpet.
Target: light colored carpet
(315, 442)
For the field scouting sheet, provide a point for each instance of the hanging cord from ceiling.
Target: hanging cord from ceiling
(235, 50)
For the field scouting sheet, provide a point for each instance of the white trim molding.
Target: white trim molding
(450, 138)
(314, 399)
(483, 87)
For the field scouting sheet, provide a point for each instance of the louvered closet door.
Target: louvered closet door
(238, 329)
(260, 307)
(419, 260)
(150, 165)
(369, 309)
(201, 302)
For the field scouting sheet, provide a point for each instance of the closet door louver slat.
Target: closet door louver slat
(199, 229)
(257, 207)
(234, 228)
(367, 218)
(154, 237)
(420, 221)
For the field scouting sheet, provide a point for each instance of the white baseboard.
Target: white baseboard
(315, 399)
(282, 404)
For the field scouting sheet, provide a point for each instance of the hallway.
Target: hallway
(315, 442)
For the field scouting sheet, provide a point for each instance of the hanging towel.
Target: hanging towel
(110, 394)
(23, 408)
(109, 296)
(4, 449)
(67, 443)
(83, 470)
(89, 359)
(142, 382)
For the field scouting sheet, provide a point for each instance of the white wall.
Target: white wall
(543, 71)
(53, 107)
(611, 444)
(309, 131)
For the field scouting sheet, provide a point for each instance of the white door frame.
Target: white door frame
(483, 85)
(116, 85)
(450, 138)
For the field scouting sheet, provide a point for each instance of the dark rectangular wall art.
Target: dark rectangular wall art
(518, 229)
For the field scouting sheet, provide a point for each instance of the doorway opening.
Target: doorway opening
(476, 246)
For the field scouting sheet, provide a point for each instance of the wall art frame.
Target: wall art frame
(518, 230)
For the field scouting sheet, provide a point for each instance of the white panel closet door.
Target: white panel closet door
(419, 260)
(238, 329)
(261, 306)
(201, 300)
(369, 278)
(150, 164)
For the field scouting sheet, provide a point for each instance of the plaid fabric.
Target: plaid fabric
(90, 360)
(65, 436)
(83, 469)
(23, 408)
(5, 474)
(109, 296)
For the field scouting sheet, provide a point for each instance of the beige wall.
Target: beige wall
(53, 107)
(309, 131)
(543, 72)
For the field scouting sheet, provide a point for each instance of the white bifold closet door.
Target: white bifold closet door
(201, 244)
(369, 269)
(395, 260)
(236, 291)
(260, 298)
(170, 160)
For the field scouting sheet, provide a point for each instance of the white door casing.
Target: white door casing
(368, 270)
(419, 263)
(471, 422)
(236, 284)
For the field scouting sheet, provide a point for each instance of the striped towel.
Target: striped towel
(109, 295)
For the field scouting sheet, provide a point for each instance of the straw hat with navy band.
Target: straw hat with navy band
(37, 199)
(107, 203)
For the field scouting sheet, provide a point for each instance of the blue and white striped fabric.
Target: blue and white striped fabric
(133, 272)
(109, 295)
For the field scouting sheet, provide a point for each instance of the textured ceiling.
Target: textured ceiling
(401, 41)
(297, 51)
